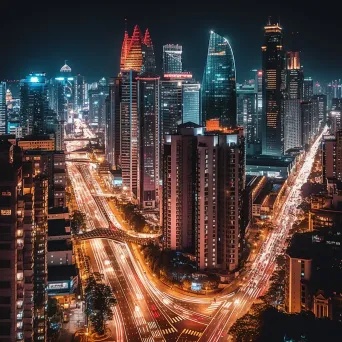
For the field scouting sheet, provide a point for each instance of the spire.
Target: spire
(124, 49)
(133, 59)
(147, 38)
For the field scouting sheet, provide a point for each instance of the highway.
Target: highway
(264, 264)
(147, 312)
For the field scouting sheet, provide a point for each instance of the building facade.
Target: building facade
(149, 147)
(203, 181)
(3, 109)
(273, 80)
(172, 59)
(219, 82)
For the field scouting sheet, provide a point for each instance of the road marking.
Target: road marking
(192, 332)
(176, 319)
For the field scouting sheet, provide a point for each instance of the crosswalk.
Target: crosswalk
(191, 332)
(176, 319)
(212, 307)
(169, 331)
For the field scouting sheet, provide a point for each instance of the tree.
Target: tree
(100, 301)
(78, 221)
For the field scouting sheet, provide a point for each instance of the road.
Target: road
(148, 312)
(263, 266)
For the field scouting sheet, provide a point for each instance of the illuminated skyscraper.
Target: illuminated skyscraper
(273, 78)
(191, 103)
(308, 88)
(148, 165)
(34, 104)
(172, 59)
(149, 61)
(3, 109)
(219, 83)
(97, 103)
(293, 96)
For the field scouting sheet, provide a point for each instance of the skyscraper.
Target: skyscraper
(3, 109)
(129, 131)
(34, 104)
(273, 77)
(203, 181)
(148, 165)
(219, 83)
(79, 92)
(308, 88)
(137, 52)
(191, 109)
(172, 59)
(293, 95)
(149, 60)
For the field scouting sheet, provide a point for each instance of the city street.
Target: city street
(148, 312)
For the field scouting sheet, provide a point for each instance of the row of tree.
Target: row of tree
(99, 304)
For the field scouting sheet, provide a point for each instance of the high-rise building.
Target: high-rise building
(3, 109)
(113, 122)
(273, 78)
(149, 147)
(332, 157)
(203, 181)
(309, 122)
(172, 59)
(149, 60)
(293, 95)
(34, 104)
(320, 103)
(129, 129)
(79, 92)
(247, 111)
(97, 104)
(191, 109)
(137, 52)
(308, 88)
(219, 82)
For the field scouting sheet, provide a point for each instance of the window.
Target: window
(5, 284)
(5, 263)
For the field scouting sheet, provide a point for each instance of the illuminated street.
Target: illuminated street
(149, 312)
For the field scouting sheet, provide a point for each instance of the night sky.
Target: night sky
(39, 35)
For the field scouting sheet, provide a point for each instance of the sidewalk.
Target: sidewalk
(77, 321)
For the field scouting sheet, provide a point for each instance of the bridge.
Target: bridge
(116, 235)
(81, 139)
(80, 160)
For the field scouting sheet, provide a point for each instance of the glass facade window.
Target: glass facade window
(219, 82)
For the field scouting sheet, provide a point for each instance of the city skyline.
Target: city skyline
(81, 47)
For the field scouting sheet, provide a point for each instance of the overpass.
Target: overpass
(80, 160)
(116, 235)
(81, 139)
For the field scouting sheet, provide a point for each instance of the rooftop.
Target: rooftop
(58, 227)
(59, 245)
(58, 210)
(61, 272)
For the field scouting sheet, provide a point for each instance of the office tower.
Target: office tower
(308, 88)
(309, 122)
(172, 59)
(149, 61)
(97, 104)
(330, 95)
(148, 118)
(170, 106)
(34, 105)
(191, 109)
(332, 157)
(247, 111)
(59, 136)
(259, 91)
(79, 92)
(273, 77)
(131, 52)
(293, 95)
(129, 126)
(203, 180)
(219, 82)
(3, 108)
(320, 103)
(113, 122)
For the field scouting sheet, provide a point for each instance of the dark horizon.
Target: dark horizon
(90, 37)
